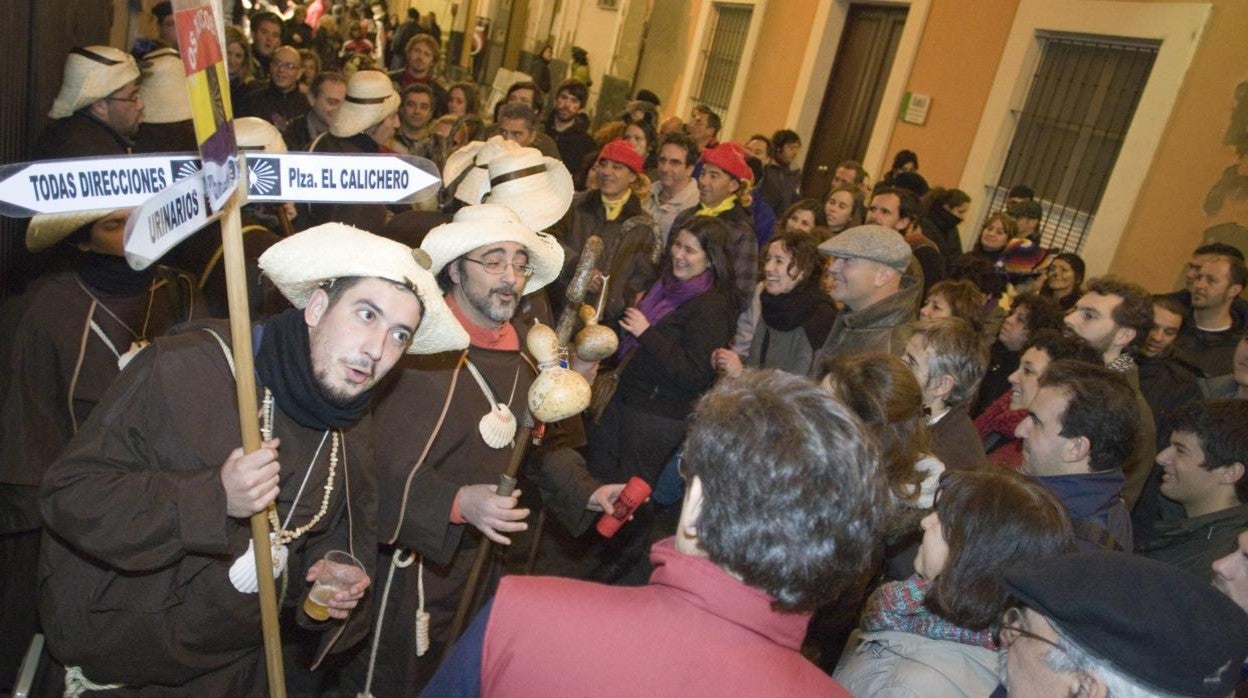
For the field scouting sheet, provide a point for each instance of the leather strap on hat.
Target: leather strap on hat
(367, 100)
(79, 51)
(517, 174)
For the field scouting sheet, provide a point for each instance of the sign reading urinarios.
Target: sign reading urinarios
(201, 45)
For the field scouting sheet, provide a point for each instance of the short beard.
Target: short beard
(331, 395)
(493, 312)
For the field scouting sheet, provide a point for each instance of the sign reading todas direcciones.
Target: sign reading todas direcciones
(200, 44)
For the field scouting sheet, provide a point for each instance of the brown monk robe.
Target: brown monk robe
(419, 513)
(134, 577)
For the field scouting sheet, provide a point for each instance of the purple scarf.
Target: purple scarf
(666, 295)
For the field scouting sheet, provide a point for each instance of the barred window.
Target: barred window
(721, 55)
(1071, 128)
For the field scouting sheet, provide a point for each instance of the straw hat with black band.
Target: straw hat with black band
(163, 88)
(306, 261)
(91, 74)
(370, 100)
(485, 224)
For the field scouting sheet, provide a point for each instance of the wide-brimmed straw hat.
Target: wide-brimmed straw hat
(466, 171)
(536, 187)
(254, 133)
(91, 74)
(163, 89)
(47, 229)
(484, 224)
(303, 262)
(370, 99)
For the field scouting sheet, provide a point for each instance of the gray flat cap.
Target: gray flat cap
(873, 242)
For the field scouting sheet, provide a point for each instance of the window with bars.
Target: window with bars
(721, 56)
(1071, 128)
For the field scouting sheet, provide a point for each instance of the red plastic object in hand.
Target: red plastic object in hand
(631, 497)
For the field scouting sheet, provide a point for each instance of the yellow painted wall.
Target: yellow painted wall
(773, 74)
(955, 66)
(1168, 221)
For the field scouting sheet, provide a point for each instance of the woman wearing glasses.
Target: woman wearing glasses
(936, 633)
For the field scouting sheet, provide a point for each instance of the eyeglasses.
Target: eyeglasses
(498, 266)
(133, 99)
(1012, 629)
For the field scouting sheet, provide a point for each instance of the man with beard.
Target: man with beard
(1114, 317)
(325, 96)
(278, 99)
(415, 113)
(676, 189)
(422, 52)
(147, 575)
(98, 109)
(612, 210)
(439, 457)
(1207, 340)
(569, 128)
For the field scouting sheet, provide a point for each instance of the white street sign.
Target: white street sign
(82, 184)
(166, 219)
(338, 177)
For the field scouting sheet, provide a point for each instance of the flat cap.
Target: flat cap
(1164, 627)
(874, 242)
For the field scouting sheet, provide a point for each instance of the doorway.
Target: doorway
(855, 88)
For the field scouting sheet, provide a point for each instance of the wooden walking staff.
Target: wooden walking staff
(245, 383)
(201, 37)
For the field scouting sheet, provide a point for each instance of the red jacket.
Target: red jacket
(694, 630)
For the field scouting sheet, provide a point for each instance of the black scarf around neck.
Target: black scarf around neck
(110, 275)
(804, 306)
(284, 365)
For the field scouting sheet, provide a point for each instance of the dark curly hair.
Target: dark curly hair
(791, 491)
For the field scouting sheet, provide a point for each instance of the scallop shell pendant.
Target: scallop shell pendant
(243, 571)
(498, 426)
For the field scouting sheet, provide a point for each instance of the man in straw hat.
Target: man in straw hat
(446, 431)
(66, 344)
(724, 184)
(147, 577)
(167, 125)
(99, 108)
(613, 209)
(364, 123)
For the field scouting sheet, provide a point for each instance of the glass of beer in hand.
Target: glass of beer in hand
(339, 572)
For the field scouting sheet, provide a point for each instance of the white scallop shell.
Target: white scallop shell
(498, 426)
(243, 571)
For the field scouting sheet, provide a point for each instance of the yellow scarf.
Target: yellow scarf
(704, 210)
(613, 208)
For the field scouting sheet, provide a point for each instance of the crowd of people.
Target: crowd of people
(880, 461)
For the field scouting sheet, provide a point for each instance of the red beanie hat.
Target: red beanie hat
(729, 158)
(623, 152)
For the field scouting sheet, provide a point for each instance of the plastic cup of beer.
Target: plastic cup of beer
(340, 572)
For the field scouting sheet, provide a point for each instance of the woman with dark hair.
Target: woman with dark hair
(844, 208)
(935, 633)
(791, 315)
(903, 161)
(946, 208)
(802, 217)
(999, 229)
(640, 134)
(1063, 281)
(463, 99)
(663, 369)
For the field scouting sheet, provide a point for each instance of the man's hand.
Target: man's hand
(587, 369)
(250, 480)
(492, 514)
(342, 602)
(603, 498)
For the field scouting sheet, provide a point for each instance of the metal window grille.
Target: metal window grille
(721, 55)
(1071, 128)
